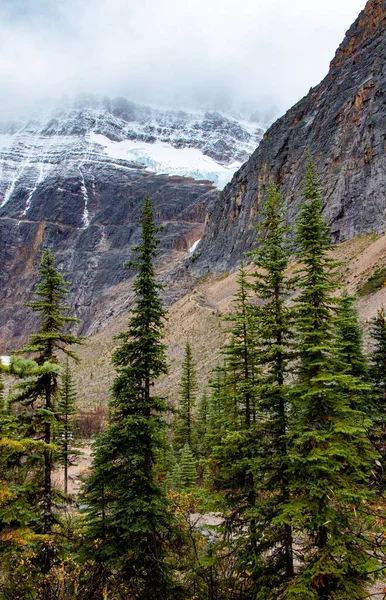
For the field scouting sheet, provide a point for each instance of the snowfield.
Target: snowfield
(162, 158)
(78, 139)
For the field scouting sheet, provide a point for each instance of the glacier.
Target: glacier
(93, 133)
(162, 158)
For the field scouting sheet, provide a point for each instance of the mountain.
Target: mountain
(342, 122)
(73, 179)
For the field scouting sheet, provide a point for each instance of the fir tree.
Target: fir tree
(350, 353)
(202, 423)
(129, 515)
(233, 446)
(240, 354)
(274, 323)
(349, 337)
(378, 364)
(187, 469)
(66, 408)
(21, 469)
(184, 432)
(378, 392)
(330, 455)
(38, 393)
(2, 397)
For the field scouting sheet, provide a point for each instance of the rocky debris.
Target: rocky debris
(92, 255)
(342, 123)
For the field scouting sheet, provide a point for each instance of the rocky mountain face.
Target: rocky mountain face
(342, 122)
(73, 180)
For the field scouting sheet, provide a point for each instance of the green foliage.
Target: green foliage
(378, 362)
(36, 397)
(349, 338)
(128, 517)
(64, 432)
(330, 455)
(202, 424)
(187, 469)
(185, 423)
(378, 394)
(273, 552)
(2, 397)
(374, 283)
(240, 356)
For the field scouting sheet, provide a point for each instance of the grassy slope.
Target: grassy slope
(197, 316)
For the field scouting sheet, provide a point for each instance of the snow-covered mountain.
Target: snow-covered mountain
(203, 146)
(73, 179)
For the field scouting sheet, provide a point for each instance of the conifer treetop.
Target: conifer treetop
(50, 291)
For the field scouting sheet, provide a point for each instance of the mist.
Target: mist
(242, 55)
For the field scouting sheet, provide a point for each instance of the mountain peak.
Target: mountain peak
(370, 24)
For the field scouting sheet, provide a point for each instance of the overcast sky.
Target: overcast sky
(254, 53)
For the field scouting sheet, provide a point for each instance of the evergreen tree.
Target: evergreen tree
(2, 397)
(21, 469)
(188, 470)
(202, 423)
(378, 364)
(349, 337)
(185, 425)
(66, 408)
(233, 414)
(173, 477)
(330, 454)
(38, 393)
(240, 354)
(378, 393)
(129, 516)
(274, 323)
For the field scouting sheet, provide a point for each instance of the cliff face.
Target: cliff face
(73, 178)
(91, 252)
(343, 123)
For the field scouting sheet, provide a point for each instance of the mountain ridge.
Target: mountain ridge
(341, 121)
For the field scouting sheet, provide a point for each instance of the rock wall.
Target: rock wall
(91, 256)
(342, 122)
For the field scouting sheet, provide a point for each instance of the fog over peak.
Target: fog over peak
(227, 55)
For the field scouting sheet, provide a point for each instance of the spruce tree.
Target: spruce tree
(349, 337)
(128, 515)
(187, 469)
(330, 454)
(185, 425)
(21, 469)
(66, 409)
(39, 392)
(240, 354)
(274, 324)
(202, 423)
(2, 397)
(378, 393)
(378, 363)
(233, 447)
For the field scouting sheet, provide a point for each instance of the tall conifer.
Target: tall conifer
(330, 455)
(46, 344)
(187, 469)
(274, 322)
(66, 409)
(378, 392)
(185, 425)
(128, 515)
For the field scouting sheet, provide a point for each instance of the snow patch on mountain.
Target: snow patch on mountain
(90, 134)
(192, 249)
(162, 158)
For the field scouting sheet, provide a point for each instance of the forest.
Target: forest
(267, 484)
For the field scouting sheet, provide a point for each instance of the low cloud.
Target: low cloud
(206, 53)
